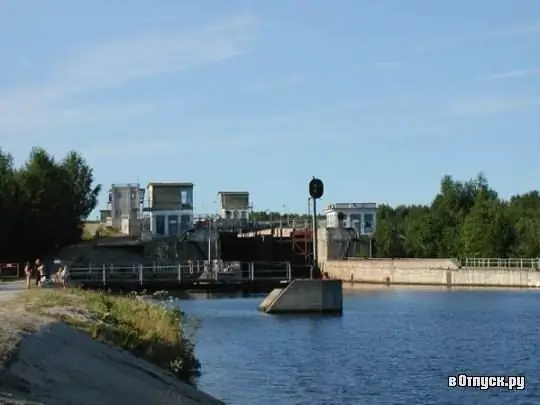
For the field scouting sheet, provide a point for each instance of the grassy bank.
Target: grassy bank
(149, 331)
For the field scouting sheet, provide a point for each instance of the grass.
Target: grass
(148, 330)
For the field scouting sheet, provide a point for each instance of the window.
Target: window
(160, 224)
(173, 225)
(186, 196)
(356, 222)
(368, 223)
(185, 222)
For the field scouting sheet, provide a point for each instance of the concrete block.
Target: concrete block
(306, 296)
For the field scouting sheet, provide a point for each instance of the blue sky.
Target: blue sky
(380, 99)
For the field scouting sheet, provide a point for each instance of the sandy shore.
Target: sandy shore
(47, 362)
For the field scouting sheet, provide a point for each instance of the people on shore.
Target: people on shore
(64, 275)
(28, 273)
(40, 272)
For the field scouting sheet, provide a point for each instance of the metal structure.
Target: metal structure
(187, 275)
(510, 263)
(316, 191)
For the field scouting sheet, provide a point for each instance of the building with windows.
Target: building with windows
(359, 216)
(170, 208)
(234, 204)
(124, 208)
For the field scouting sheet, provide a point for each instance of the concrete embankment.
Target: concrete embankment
(45, 361)
(305, 296)
(429, 272)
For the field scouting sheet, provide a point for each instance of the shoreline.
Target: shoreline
(48, 359)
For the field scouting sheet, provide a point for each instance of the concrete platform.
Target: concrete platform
(305, 296)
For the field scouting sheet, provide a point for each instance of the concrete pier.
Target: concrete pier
(305, 296)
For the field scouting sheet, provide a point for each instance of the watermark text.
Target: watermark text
(485, 382)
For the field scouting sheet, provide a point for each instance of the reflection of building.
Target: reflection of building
(360, 216)
(171, 208)
(124, 208)
(234, 204)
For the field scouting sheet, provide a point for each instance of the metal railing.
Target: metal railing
(183, 273)
(510, 263)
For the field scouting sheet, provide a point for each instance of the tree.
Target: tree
(43, 203)
(464, 219)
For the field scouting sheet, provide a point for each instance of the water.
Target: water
(390, 347)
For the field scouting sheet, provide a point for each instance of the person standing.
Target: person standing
(28, 273)
(40, 271)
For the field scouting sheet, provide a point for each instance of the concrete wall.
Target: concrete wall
(304, 296)
(443, 272)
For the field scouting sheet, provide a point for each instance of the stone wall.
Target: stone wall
(443, 272)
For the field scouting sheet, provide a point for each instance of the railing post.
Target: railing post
(141, 271)
(289, 270)
(103, 275)
(311, 272)
(179, 274)
(252, 271)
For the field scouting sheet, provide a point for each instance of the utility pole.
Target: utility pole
(316, 191)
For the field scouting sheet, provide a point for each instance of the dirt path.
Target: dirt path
(8, 290)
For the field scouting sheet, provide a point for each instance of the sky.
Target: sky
(379, 99)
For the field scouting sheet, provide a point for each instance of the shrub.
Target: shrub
(159, 333)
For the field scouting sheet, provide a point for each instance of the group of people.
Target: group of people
(38, 271)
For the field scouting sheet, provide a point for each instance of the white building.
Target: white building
(170, 208)
(234, 204)
(359, 216)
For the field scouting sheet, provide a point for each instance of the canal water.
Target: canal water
(391, 346)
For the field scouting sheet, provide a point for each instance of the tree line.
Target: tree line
(465, 219)
(43, 203)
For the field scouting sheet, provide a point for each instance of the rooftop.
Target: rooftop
(169, 184)
(341, 206)
(123, 185)
(233, 192)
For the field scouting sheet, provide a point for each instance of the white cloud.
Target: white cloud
(513, 74)
(119, 62)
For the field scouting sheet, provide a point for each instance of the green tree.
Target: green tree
(43, 203)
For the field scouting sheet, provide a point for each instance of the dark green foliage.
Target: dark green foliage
(43, 204)
(466, 219)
